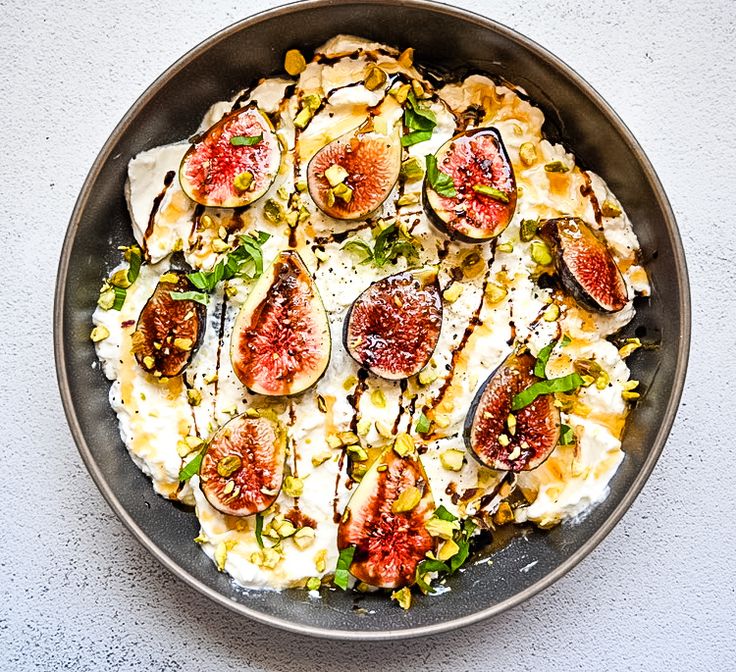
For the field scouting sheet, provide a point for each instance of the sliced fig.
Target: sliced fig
(389, 541)
(234, 162)
(484, 186)
(243, 466)
(169, 331)
(353, 175)
(281, 339)
(526, 440)
(393, 327)
(587, 269)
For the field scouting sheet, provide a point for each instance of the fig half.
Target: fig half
(389, 541)
(503, 443)
(169, 331)
(353, 175)
(281, 338)
(587, 269)
(243, 465)
(393, 327)
(234, 162)
(484, 197)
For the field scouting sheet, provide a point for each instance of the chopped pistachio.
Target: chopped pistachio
(293, 486)
(511, 424)
(99, 333)
(321, 255)
(304, 537)
(243, 181)
(444, 529)
(320, 560)
(610, 209)
(294, 62)
(453, 292)
(184, 344)
(427, 375)
(442, 420)
(505, 247)
(228, 465)
(330, 198)
(540, 253)
(504, 514)
(320, 458)
(219, 245)
(448, 550)
(629, 346)
(408, 199)
(273, 211)
(406, 58)
(348, 438)
(383, 429)
(182, 449)
(149, 362)
(404, 445)
(528, 153)
(283, 527)
(378, 398)
(407, 500)
(364, 426)
(313, 583)
(375, 78)
(343, 192)
(403, 597)
(452, 459)
(336, 174)
(333, 441)
(528, 229)
(357, 453)
(556, 167)
(201, 538)
(210, 378)
(495, 293)
(321, 404)
(359, 470)
(193, 442)
(551, 313)
(417, 88)
(106, 299)
(229, 487)
(504, 440)
(271, 557)
(301, 185)
(401, 93)
(349, 382)
(411, 169)
(291, 218)
(120, 278)
(169, 278)
(514, 454)
(221, 556)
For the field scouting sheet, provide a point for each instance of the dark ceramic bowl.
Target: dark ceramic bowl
(171, 109)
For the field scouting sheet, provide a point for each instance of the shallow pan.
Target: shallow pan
(171, 109)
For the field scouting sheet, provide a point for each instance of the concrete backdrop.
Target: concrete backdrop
(77, 592)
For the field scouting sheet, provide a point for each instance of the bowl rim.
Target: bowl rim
(667, 418)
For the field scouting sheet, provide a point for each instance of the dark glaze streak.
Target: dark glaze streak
(221, 338)
(168, 179)
(486, 499)
(241, 99)
(196, 218)
(469, 329)
(403, 385)
(443, 251)
(587, 191)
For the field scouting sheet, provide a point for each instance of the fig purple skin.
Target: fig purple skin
(393, 327)
(587, 270)
(475, 160)
(537, 428)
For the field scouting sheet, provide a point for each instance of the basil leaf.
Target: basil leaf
(463, 542)
(120, 295)
(414, 137)
(418, 117)
(342, 572)
(199, 297)
(443, 514)
(567, 436)
(542, 359)
(430, 565)
(207, 280)
(492, 192)
(359, 247)
(564, 384)
(192, 467)
(441, 182)
(259, 529)
(423, 424)
(566, 340)
(245, 140)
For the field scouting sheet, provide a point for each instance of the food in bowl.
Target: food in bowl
(371, 316)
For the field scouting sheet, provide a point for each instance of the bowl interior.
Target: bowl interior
(171, 110)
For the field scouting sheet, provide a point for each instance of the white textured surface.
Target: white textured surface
(79, 593)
